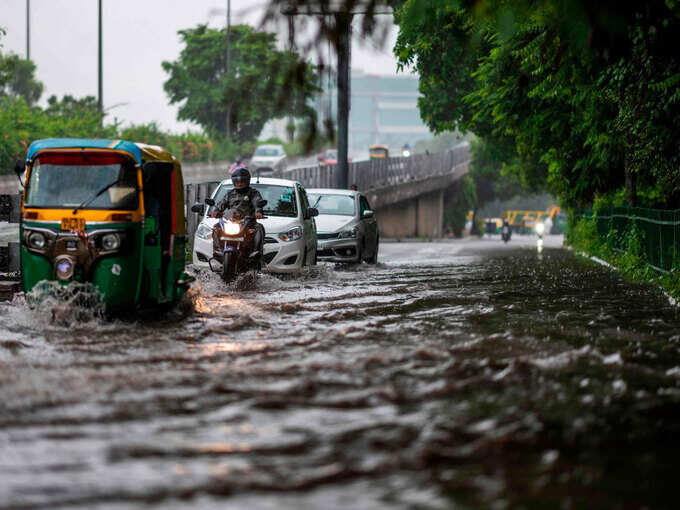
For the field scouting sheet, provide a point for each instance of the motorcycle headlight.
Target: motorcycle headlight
(204, 231)
(37, 240)
(232, 228)
(110, 242)
(291, 235)
(540, 228)
(348, 234)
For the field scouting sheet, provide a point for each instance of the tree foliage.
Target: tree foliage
(17, 79)
(263, 83)
(579, 97)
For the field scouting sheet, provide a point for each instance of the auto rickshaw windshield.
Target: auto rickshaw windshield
(68, 180)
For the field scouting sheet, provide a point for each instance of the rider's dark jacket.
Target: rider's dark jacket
(244, 197)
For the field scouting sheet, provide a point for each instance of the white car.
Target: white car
(290, 229)
(267, 158)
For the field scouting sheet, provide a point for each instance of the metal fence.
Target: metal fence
(660, 231)
(380, 173)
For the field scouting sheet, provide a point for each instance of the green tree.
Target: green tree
(17, 79)
(579, 97)
(263, 83)
(74, 117)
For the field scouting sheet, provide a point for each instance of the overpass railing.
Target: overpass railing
(380, 173)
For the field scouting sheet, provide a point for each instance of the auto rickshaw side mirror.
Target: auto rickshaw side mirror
(261, 203)
(312, 212)
(210, 201)
(19, 169)
(198, 208)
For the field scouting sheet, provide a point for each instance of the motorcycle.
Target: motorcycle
(540, 230)
(506, 233)
(234, 242)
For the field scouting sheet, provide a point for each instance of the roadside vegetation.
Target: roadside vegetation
(631, 262)
(574, 98)
(264, 83)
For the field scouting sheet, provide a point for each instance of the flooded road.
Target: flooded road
(453, 375)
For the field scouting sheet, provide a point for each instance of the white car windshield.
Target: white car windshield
(281, 200)
(268, 151)
(340, 205)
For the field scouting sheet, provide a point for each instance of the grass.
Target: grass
(631, 262)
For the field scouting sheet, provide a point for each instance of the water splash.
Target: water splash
(65, 305)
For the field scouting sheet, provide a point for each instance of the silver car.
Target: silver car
(347, 230)
(267, 159)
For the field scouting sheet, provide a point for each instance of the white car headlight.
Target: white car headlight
(540, 228)
(232, 228)
(348, 234)
(292, 235)
(204, 231)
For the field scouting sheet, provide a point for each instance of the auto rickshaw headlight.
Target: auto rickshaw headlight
(110, 242)
(64, 268)
(37, 240)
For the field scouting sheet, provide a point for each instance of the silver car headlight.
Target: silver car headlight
(348, 234)
(292, 235)
(204, 232)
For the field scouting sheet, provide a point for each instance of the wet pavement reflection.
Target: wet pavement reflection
(452, 375)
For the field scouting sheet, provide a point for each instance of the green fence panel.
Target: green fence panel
(659, 231)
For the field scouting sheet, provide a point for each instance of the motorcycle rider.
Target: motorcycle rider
(506, 231)
(242, 195)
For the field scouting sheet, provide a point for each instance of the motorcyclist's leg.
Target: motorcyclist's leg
(258, 241)
(216, 238)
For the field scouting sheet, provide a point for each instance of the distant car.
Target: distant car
(290, 229)
(267, 159)
(328, 157)
(347, 230)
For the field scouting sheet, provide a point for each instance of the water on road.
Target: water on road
(453, 375)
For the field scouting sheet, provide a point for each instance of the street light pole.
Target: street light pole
(28, 29)
(228, 121)
(101, 94)
(343, 22)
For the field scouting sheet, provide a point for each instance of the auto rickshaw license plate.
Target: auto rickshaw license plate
(73, 224)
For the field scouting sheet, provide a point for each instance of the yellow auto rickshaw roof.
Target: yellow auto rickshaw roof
(384, 147)
(155, 153)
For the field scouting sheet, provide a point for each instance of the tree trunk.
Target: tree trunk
(474, 231)
(631, 191)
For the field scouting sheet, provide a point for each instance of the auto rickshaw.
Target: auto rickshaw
(378, 152)
(108, 212)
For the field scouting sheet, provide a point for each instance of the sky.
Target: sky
(138, 35)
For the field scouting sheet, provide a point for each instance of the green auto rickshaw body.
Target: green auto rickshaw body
(107, 212)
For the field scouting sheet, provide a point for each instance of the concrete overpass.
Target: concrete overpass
(406, 193)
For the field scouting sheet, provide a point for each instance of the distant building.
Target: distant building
(384, 110)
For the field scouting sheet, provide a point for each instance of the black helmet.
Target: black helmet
(240, 178)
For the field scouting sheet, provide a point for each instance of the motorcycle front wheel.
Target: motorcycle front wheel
(229, 267)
